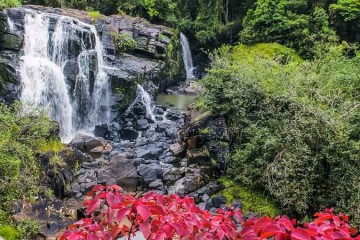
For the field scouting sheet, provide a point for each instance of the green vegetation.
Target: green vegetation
(293, 25)
(22, 134)
(9, 4)
(124, 42)
(94, 15)
(294, 125)
(9, 233)
(251, 201)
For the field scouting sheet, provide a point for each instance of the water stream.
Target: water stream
(77, 104)
(10, 24)
(147, 102)
(186, 53)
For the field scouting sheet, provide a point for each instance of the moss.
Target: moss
(9, 233)
(205, 131)
(252, 201)
(266, 50)
(54, 146)
(95, 15)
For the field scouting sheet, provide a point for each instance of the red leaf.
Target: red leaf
(92, 236)
(105, 236)
(270, 231)
(92, 206)
(300, 234)
(145, 228)
(122, 213)
(286, 223)
(144, 212)
(110, 199)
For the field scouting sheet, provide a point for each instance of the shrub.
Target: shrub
(113, 214)
(21, 134)
(95, 15)
(9, 233)
(124, 42)
(9, 4)
(293, 126)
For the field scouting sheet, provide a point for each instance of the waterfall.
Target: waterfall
(10, 24)
(186, 53)
(77, 103)
(147, 102)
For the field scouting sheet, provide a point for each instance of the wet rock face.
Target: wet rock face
(10, 46)
(148, 61)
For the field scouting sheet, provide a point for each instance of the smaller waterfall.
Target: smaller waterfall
(186, 53)
(10, 24)
(147, 101)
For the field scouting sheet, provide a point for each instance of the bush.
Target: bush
(158, 216)
(21, 134)
(9, 233)
(94, 15)
(124, 42)
(9, 4)
(294, 125)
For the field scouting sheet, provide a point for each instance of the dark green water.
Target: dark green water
(175, 101)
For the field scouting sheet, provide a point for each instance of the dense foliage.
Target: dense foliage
(23, 132)
(294, 124)
(9, 3)
(112, 214)
(298, 24)
(287, 22)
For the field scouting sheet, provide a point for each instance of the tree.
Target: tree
(345, 15)
(289, 23)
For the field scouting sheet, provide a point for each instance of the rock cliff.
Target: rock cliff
(157, 56)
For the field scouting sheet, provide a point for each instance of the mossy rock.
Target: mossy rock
(252, 201)
(12, 42)
(9, 233)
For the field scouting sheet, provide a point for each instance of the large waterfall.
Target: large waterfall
(62, 70)
(187, 57)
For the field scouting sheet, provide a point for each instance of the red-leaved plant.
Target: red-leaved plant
(113, 214)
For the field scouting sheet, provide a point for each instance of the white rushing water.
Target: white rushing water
(10, 23)
(147, 102)
(76, 106)
(186, 53)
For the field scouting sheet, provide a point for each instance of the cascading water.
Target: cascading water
(10, 24)
(79, 103)
(186, 53)
(147, 102)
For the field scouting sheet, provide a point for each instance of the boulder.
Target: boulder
(129, 134)
(89, 144)
(149, 172)
(218, 201)
(12, 42)
(121, 171)
(171, 174)
(102, 131)
(142, 124)
(157, 185)
(173, 115)
(177, 149)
